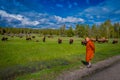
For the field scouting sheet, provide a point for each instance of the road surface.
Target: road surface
(111, 73)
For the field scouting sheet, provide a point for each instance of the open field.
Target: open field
(44, 61)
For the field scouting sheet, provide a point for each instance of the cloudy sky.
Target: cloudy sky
(55, 13)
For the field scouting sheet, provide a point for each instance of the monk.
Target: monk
(90, 49)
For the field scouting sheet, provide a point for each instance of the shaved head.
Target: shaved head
(87, 39)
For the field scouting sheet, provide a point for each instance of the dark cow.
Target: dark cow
(4, 39)
(71, 41)
(44, 39)
(28, 38)
(33, 36)
(102, 40)
(20, 36)
(114, 41)
(59, 41)
(37, 40)
(50, 36)
(83, 42)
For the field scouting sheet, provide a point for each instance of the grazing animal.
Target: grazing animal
(44, 39)
(102, 40)
(59, 41)
(71, 41)
(92, 39)
(37, 40)
(114, 41)
(83, 42)
(12, 36)
(50, 36)
(4, 39)
(28, 39)
(20, 36)
(33, 36)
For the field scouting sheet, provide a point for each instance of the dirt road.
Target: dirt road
(111, 73)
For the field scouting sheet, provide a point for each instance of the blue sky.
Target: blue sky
(55, 13)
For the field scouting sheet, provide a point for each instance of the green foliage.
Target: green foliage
(70, 32)
(80, 30)
(94, 31)
(87, 30)
(63, 31)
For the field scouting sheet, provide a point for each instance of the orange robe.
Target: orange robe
(90, 49)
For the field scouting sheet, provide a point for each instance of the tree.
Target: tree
(80, 30)
(105, 29)
(107, 25)
(70, 32)
(94, 31)
(62, 30)
(116, 30)
(87, 30)
(102, 31)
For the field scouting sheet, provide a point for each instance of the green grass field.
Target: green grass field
(25, 60)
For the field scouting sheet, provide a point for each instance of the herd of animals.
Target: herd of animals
(83, 42)
(102, 40)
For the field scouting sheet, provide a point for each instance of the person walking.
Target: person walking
(90, 50)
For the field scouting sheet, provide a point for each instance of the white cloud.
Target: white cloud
(98, 16)
(43, 20)
(58, 18)
(105, 8)
(117, 12)
(38, 19)
(91, 17)
(97, 10)
(69, 19)
(73, 19)
(108, 9)
(50, 23)
(24, 20)
(98, 23)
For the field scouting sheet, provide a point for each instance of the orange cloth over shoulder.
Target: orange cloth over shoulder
(90, 49)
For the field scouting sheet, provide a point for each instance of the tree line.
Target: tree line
(105, 29)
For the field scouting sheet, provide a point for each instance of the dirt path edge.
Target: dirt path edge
(80, 73)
